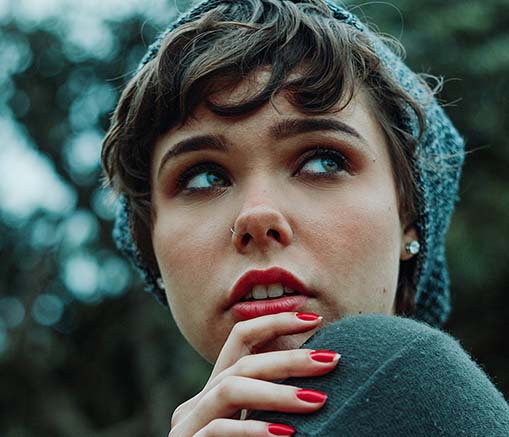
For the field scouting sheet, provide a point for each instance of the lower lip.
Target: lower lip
(253, 309)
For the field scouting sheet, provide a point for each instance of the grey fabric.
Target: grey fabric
(436, 166)
(397, 377)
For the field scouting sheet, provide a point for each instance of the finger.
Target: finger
(235, 393)
(243, 339)
(271, 366)
(184, 409)
(247, 336)
(247, 428)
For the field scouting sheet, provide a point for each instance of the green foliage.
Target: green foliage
(105, 359)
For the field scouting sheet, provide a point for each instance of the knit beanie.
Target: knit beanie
(436, 167)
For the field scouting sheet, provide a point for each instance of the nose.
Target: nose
(261, 226)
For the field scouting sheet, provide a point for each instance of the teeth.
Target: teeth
(265, 291)
(275, 290)
(288, 290)
(260, 292)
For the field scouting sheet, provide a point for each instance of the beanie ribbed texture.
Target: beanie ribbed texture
(436, 167)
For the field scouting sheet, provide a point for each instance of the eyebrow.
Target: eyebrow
(281, 130)
(296, 126)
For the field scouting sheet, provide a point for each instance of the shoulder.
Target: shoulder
(373, 342)
(398, 376)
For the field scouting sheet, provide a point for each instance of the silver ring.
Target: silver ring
(233, 232)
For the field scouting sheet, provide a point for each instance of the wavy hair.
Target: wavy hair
(333, 60)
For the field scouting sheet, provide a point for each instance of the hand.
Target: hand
(240, 380)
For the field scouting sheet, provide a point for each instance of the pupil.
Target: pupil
(213, 179)
(330, 164)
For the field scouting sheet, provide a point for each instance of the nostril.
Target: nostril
(245, 239)
(274, 234)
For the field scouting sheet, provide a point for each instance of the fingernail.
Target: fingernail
(311, 395)
(324, 356)
(308, 317)
(281, 430)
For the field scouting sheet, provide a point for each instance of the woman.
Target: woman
(282, 171)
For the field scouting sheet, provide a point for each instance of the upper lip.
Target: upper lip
(273, 275)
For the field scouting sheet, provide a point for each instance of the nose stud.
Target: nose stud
(233, 232)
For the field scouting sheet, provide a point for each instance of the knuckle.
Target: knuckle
(241, 329)
(176, 415)
(181, 411)
(215, 427)
(226, 389)
(174, 420)
(242, 365)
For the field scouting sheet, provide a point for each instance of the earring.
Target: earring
(413, 247)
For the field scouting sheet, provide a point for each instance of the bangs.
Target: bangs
(310, 55)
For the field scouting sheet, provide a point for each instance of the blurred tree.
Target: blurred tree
(82, 350)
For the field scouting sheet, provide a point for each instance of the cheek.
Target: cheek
(358, 240)
(183, 248)
(183, 251)
(357, 227)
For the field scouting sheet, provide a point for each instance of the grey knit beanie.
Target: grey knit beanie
(436, 167)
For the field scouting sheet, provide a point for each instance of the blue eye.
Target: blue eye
(318, 163)
(324, 161)
(322, 165)
(202, 177)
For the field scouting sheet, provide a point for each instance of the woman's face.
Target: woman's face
(315, 193)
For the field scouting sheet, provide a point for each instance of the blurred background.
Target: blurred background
(83, 350)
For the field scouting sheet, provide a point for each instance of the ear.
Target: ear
(409, 235)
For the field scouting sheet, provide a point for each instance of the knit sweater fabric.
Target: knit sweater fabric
(397, 377)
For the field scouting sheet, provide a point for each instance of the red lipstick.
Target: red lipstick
(250, 309)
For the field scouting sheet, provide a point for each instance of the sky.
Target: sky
(28, 181)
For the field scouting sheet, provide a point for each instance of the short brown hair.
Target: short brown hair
(225, 45)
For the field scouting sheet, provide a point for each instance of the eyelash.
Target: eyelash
(318, 152)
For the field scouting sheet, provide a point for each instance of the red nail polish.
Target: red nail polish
(308, 317)
(281, 430)
(324, 356)
(313, 396)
